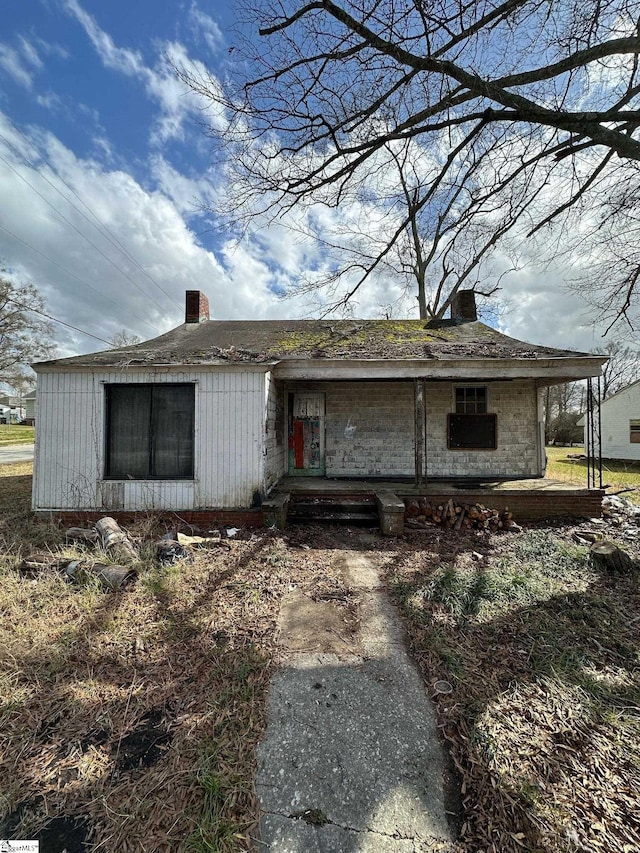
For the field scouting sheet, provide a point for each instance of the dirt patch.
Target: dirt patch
(145, 744)
(316, 626)
(64, 835)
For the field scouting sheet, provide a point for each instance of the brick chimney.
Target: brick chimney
(197, 307)
(463, 306)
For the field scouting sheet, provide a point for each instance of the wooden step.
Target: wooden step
(335, 509)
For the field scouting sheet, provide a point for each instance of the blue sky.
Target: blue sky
(104, 168)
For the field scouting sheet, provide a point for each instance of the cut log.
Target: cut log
(413, 508)
(608, 558)
(115, 540)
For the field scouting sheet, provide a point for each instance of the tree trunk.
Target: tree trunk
(608, 558)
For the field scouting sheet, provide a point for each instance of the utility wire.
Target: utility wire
(64, 269)
(84, 236)
(55, 320)
(104, 229)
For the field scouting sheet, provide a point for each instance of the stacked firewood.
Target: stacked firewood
(420, 512)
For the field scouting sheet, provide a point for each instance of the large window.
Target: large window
(150, 431)
(471, 427)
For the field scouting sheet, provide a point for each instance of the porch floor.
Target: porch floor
(327, 486)
(530, 499)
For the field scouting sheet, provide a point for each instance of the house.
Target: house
(30, 407)
(11, 408)
(212, 415)
(620, 424)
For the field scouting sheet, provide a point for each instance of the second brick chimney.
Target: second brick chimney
(463, 306)
(196, 307)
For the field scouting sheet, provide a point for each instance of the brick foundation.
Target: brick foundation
(201, 519)
(526, 505)
(529, 505)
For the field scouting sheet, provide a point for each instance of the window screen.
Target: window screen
(477, 432)
(150, 431)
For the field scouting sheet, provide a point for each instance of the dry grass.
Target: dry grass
(133, 716)
(544, 720)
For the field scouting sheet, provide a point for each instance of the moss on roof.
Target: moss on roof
(219, 341)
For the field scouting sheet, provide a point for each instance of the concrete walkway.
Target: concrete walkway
(350, 760)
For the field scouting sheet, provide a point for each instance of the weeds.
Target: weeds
(135, 712)
(544, 718)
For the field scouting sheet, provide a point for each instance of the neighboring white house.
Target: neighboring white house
(11, 409)
(214, 413)
(620, 435)
(30, 407)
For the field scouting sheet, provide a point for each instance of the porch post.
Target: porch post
(420, 431)
(593, 433)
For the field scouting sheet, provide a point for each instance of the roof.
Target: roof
(621, 391)
(259, 341)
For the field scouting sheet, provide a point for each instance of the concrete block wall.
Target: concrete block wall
(516, 405)
(369, 429)
(275, 433)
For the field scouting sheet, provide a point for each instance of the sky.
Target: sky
(109, 184)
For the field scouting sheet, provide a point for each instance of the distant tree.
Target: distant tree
(563, 406)
(123, 339)
(621, 370)
(564, 429)
(25, 336)
(437, 249)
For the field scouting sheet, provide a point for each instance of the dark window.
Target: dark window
(471, 400)
(150, 431)
(634, 431)
(474, 432)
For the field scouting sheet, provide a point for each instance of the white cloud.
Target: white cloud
(128, 62)
(80, 285)
(30, 54)
(50, 101)
(240, 278)
(21, 64)
(189, 194)
(204, 28)
(177, 103)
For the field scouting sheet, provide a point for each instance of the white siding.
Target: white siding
(617, 411)
(229, 443)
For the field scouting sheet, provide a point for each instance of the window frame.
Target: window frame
(153, 388)
(461, 414)
(634, 430)
(475, 404)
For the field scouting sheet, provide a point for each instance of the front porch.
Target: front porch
(527, 499)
